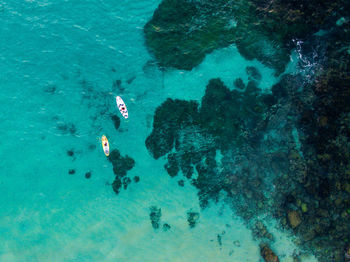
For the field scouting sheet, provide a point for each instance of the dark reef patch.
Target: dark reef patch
(70, 152)
(166, 227)
(51, 89)
(218, 237)
(88, 175)
(239, 84)
(253, 73)
(116, 185)
(229, 121)
(166, 125)
(293, 146)
(194, 134)
(116, 121)
(155, 216)
(171, 166)
(192, 218)
(67, 128)
(117, 86)
(121, 165)
(71, 171)
(131, 79)
(310, 195)
(126, 181)
(182, 32)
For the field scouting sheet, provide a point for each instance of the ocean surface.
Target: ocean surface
(59, 63)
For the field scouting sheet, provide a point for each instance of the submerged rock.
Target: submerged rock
(181, 183)
(166, 227)
(294, 218)
(182, 32)
(70, 152)
(260, 231)
(116, 185)
(192, 218)
(267, 253)
(131, 79)
(120, 164)
(347, 253)
(239, 84)
(168, 119)
(218, 237)
(155, 216)
(171, 166)
(253, 73)
(193, 135)
(87, 175)
(126, 181)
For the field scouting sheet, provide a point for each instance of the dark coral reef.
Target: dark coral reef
(182, 32)
(286, 154)
(312, 191)
(121, 165)
(191, 136)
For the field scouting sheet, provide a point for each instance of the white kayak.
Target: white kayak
(122, 107)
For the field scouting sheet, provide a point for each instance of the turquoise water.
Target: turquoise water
(59, 60)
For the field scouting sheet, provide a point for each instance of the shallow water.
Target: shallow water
(59, 60)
